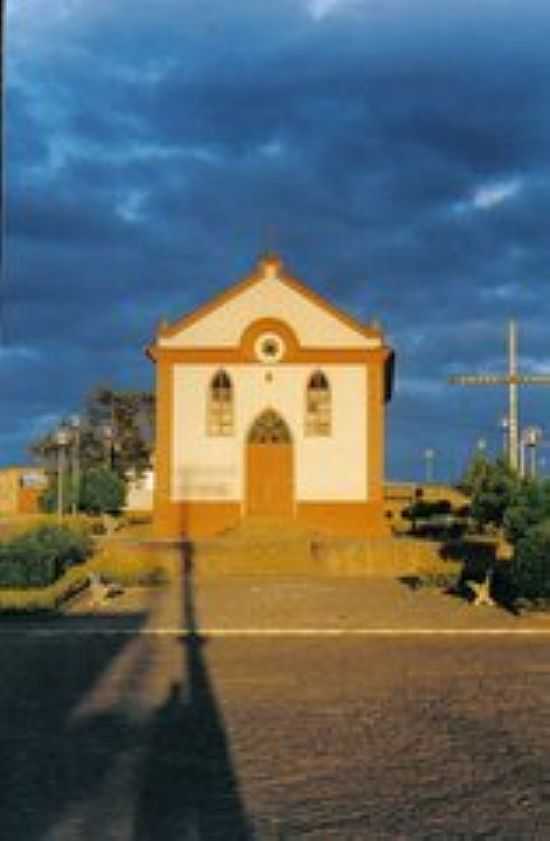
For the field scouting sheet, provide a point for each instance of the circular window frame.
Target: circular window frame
(269, 357)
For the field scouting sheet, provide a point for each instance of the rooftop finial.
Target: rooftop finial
(270, 264)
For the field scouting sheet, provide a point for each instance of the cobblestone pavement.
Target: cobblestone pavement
(267, 602)
(109, 733)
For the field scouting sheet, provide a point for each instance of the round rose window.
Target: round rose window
(269, 348)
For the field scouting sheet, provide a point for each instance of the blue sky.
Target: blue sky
(396, 154)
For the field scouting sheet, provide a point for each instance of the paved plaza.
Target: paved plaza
(276, 708)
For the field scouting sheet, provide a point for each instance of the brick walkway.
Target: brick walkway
(125, 736)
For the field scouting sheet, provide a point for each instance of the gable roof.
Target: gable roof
(270, 265)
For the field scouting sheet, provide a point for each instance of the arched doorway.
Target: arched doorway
(269, 467)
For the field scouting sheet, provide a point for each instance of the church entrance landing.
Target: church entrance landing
(269, 468)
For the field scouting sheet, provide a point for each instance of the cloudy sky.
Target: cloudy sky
(396, 154)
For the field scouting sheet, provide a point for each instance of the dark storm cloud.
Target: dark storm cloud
(398, 160)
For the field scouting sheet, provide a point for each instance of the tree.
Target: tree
(475, 474)
(529, 506)
(530, 569)
(129, 418)
(492, 486)
(102, 491)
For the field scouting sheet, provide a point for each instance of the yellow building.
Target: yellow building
(20, 488)
(270, 403)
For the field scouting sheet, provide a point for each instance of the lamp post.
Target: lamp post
(530, 438)
(61, 441)
(75, 461)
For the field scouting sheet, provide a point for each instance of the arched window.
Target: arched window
(220, 405)
(269, 428)
(318, 405)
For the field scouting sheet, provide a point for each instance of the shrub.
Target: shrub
(36, 558)
(530, 567)
(102, 491)
(529, 506)
(44, 599)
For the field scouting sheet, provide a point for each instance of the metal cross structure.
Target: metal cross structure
(513, 379)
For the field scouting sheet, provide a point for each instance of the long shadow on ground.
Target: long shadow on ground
(80, 760)
(190, 788)
(46, 764)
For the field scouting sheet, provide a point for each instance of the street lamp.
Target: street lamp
(535, 437)
(481, 445)
(61, 441)
(504, 424)
(530, 437)
(74, 422)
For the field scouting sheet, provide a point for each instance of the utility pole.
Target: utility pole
(512, 379)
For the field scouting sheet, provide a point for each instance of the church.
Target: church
(270, 404)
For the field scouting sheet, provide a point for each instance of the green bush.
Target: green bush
(423, 509)
(529, 506)
(102, 491)
(38, 557)
(530, 567)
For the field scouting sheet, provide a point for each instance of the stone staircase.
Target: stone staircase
(270, 547)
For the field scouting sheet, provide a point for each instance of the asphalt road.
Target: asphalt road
(110, 733)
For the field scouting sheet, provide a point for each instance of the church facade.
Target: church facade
(270, 404)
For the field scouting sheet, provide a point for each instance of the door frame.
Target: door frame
(245, 505)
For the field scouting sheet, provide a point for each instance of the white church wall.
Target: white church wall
(326, 468)
(271, 298)
(139, 496)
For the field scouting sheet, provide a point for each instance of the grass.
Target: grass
(129, 565)
(132, 565)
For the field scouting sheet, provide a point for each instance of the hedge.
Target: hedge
(45, 599)
(530, 567)
(39, 556)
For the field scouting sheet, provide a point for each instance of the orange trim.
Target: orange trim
(224, 355)
(195, 519)
(165, 331)
(363, 329)
(205, 519)
(269, 325)
(205, 309)
(375, 432)
(163, 449)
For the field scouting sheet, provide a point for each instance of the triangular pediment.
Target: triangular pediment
(268, 293)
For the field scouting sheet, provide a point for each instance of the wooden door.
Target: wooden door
(270, 485)
(269, 468)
